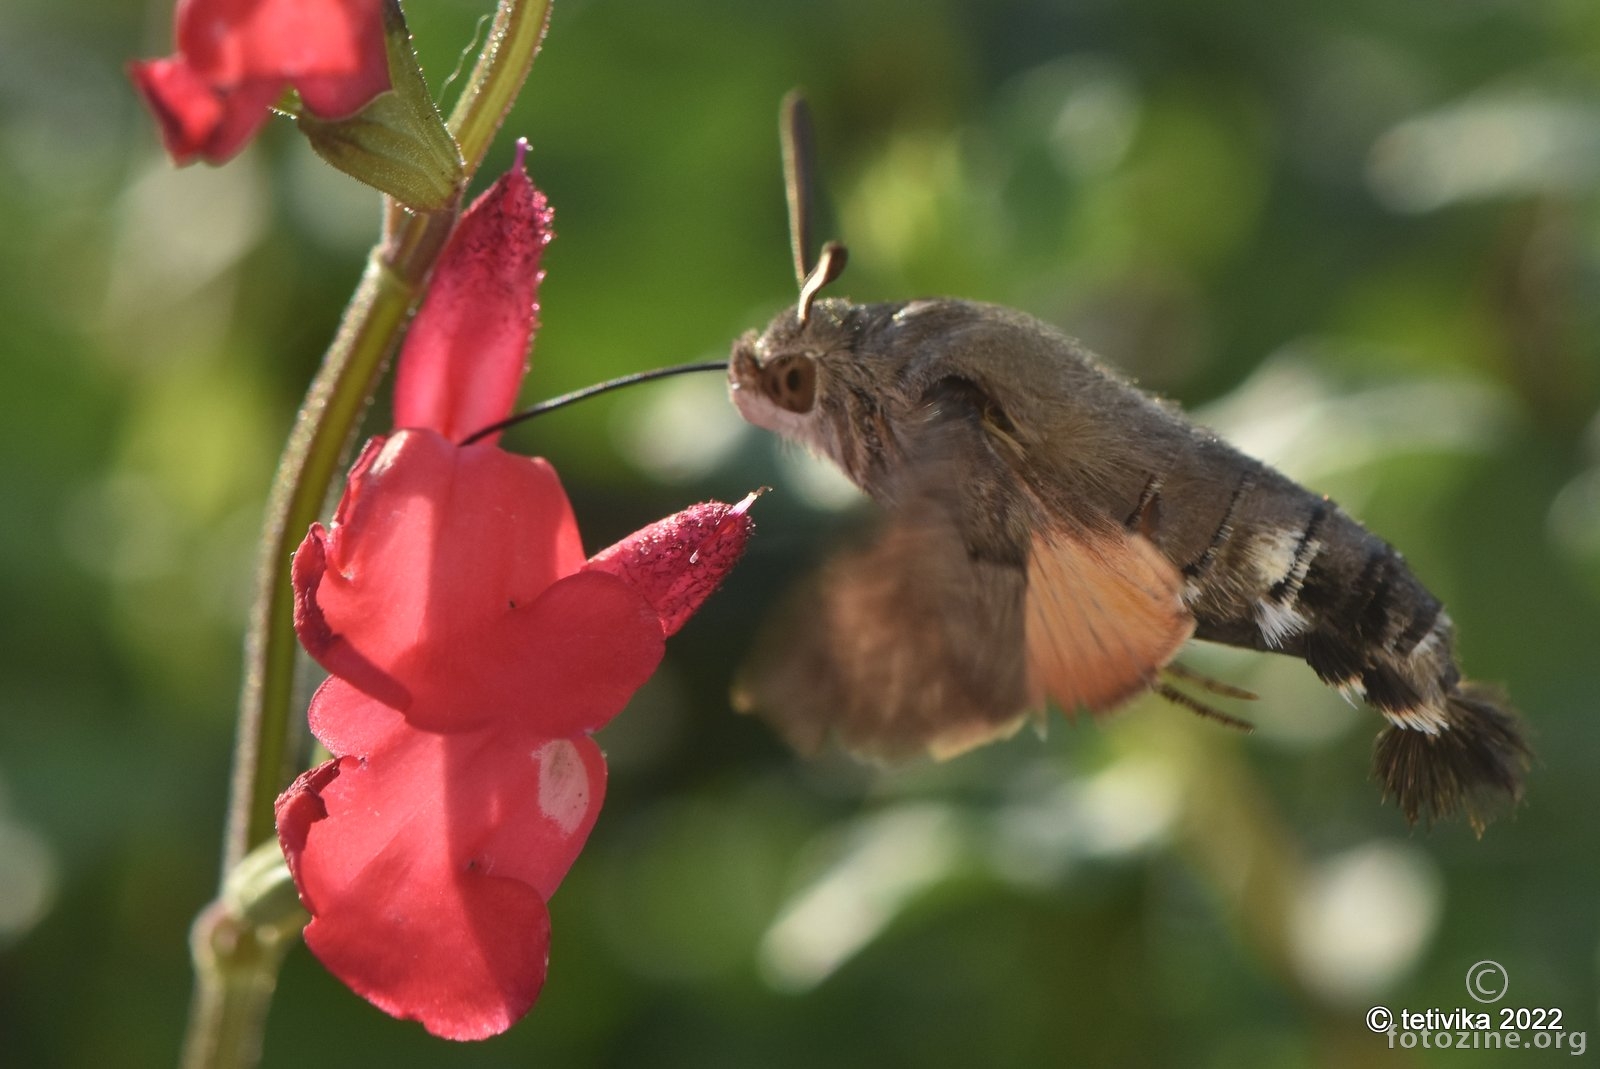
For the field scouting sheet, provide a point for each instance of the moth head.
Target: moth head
(774, 376)
(777, 377)
(806, 380)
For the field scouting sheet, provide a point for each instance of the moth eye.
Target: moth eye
(791, 383)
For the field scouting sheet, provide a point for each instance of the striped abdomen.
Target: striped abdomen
(1271, 566)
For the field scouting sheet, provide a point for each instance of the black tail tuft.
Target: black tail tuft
(1474, 764)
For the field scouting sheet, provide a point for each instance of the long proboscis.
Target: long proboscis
(591, 391)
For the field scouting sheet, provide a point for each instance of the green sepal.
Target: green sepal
(398, 144)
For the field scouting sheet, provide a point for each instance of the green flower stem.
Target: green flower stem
(237, 951)
(502, 67)
(238, 943)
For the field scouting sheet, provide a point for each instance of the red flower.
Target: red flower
(472, 650)
(235, 58)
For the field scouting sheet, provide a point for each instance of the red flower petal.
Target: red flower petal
(484, 786)
(350, 722)
(432, 541)
(296, 809)
(678, 562)
(466, 958)
(567, 664)
(426, 862)
(339, 96)
(432, 592)
(332, 51)
(566, 791)
(327, 646)
(467, 349)
(199, 120)
(502, 800)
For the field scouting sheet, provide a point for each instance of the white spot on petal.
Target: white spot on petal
(563, 784)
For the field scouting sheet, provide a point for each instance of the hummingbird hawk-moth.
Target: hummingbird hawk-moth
(1053, 534)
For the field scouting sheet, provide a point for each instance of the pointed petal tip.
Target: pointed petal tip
(677, 563)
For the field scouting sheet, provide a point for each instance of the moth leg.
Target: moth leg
(1195, 705)
(1215, 686)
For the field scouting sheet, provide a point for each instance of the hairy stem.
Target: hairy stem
(502, 67)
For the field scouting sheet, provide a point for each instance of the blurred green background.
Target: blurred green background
(1360, 239)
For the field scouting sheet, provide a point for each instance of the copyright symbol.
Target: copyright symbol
(1379, 1019)
(1487, 981)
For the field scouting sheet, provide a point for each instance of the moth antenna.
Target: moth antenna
(1195, 705)
(798, 144)
(796, 137)
(1215, 686)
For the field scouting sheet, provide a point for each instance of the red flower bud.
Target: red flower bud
(235, 58)
(467, 349)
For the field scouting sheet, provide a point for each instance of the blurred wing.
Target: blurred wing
(904, 646)
(1105, 613)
